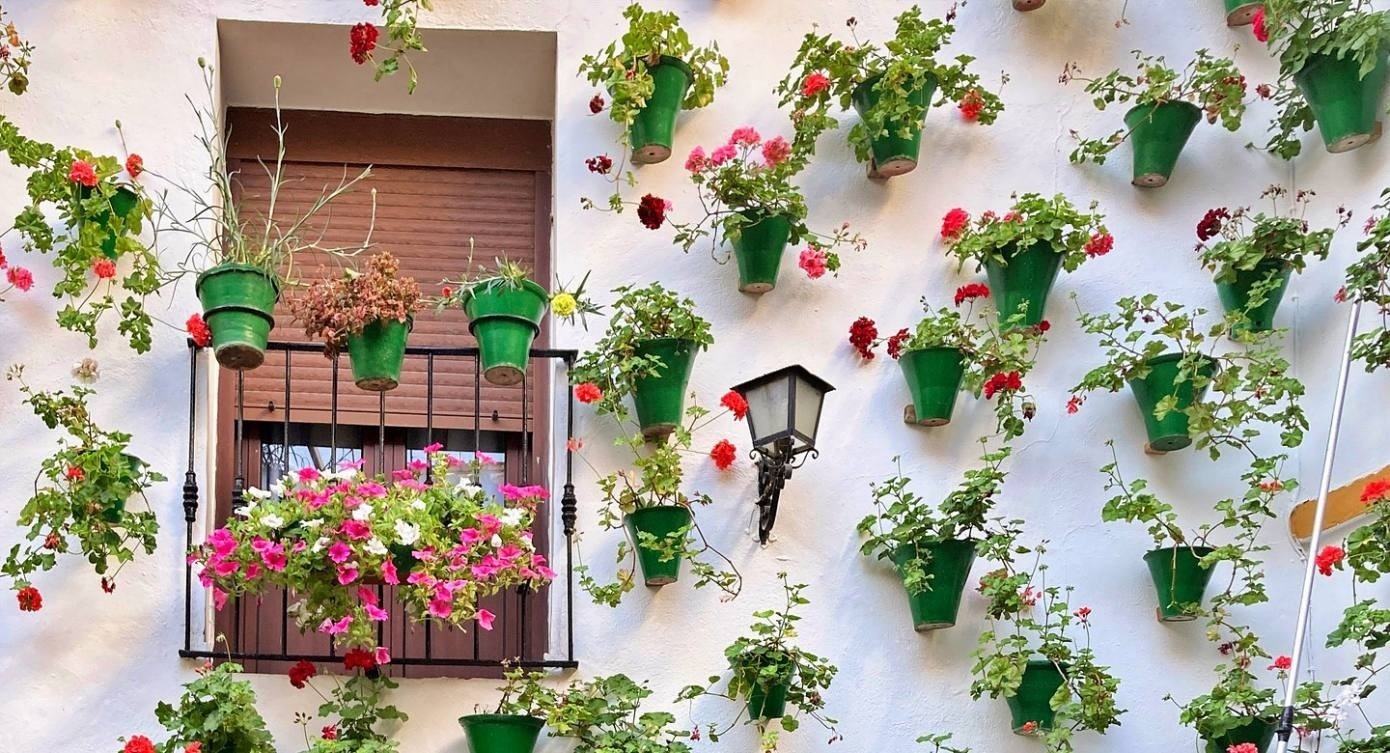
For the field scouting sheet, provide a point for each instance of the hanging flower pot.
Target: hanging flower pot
(1027, 5)
(651, 134)
(758, 249)
(1180, 579)
(934, 377)
(1235, 295)
(660, 399)
(768, 701)
(1257, 732)
(1032, 704)
(113, 506)
(1170, 432)
(892, 153)
(948, 563)
(1158, 134)
(1023, 283)
(504, 319)
(1345, 105)
(123, 202)
(377, 354)
(501, 733)
(1242, 12)
(238, 306)
(665, 522)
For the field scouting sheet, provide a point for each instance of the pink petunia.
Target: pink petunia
(389, 574)
(485, 619)
(346, 575)
(335, 628)
(431, 449)
(308, 474)
(339, 552)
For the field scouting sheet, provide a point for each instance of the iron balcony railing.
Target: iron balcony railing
(516, 622)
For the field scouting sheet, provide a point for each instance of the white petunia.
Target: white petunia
(511, 517)
(363, 512)
(417, 504)
(258, 494)
(319, 545)
(271, 520)
(374, 546)
(312, 523)
(496, 540)
(407, 533)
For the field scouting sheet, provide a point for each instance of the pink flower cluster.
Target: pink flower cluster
(745, 140)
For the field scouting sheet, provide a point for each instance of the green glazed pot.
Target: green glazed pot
(504, 320)
(660, 399)
(768, 702)
(891, 152)
(1033, 701)
(1180, 580)
(1170, 432)
(1023, 283)
(1157, 134)
(1235, 295)
(758, 249)
(238, 306)
(934, 376)
(1259, 732)
(652, 133)
(1346, 106)
(377, 354)
(948, 564)
(403, 557)
(114, 507)
(1241, 12)
(662, 522)
(501, 733)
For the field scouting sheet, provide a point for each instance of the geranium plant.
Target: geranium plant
(82, 496)
(401, 19)
(1332, 68)
(328, 536)
(354, 708)
(747, 197)
(217, 711)
(14, 63)
(1022, 250)
(770, 672)
(1052, 680)
(1165, 105)
(1252, 256)
(604, 715)
(1368, 283)
(892, 87)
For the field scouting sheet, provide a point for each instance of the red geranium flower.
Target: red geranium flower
(973, 290)
(954, 223)
(735, 403)
(814, 84)
(361, 41)
(596, 104)
(138, 744)
(1211, 223)
(1341, 295)
(371, 3)
(1257, 26)
(587, 393)
(1329, 557)
(359, 658)
(652, 211)
(601, 164)
(1003, 382)
(108, 585)
(776, 150)
(1264, 91)
(971, 104)
(301, 672)
(1100, 244)
(1029, 728)
(194, 747)
(330, 732)
(30, 600)
(74, 473)
(104, 268)
(1243, 748)
(82, 172)
(134, 165)
(895, 344)
(20, 278)
(723, 454)
(862, 335)
(813, 262)
(1375, 491)
(1283, 663)
(198, 330)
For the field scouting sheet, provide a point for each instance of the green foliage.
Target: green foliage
(1032, 219)
(1244, 241)
(604, 715)
(14, 67)
(621, 68)
(357, 705)
(1214, 85)
(905, 64)
(218, 710)
(81, 493)
(336, 309)
(1368, 282)
(938, 743)
(767, 658)
(401, 19)
(505, 274)
(524, 694)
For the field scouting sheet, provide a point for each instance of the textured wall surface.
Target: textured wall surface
(89, 668)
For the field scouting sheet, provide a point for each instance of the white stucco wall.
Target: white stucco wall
(89, 667)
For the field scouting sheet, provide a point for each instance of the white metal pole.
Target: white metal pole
(1310, 570)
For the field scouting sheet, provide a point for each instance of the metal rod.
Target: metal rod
(190, 496)
(333, 656)
(1285, 729)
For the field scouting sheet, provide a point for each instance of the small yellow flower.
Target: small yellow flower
(563, 304)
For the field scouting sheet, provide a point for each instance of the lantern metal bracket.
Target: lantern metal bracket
(775, 465)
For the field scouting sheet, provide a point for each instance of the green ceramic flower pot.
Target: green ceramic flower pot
(238, 306)
(1235, 295)
(660, 399)
(1258, 732)
(894, 151)
(1241, 12)
(1022, 285)
(1157, 133)
(1345, 105)
(769, 701)
(652, 133)
(666, 523)
(1170, 432)
(1180, 580)
(1033, 701)
(377, 354)
(758, 249)
(501, 733)
(113, 506)
(934, 376)
(948, 563)
(504, 320)
(403, 557)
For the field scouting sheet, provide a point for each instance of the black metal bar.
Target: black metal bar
(477, 424)
(285, 440)
(333, 414)
(420, 350)
(525, 431)
(381, 434)
(429, 417)
(190, 497)
(569, 513)
(244, 656)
